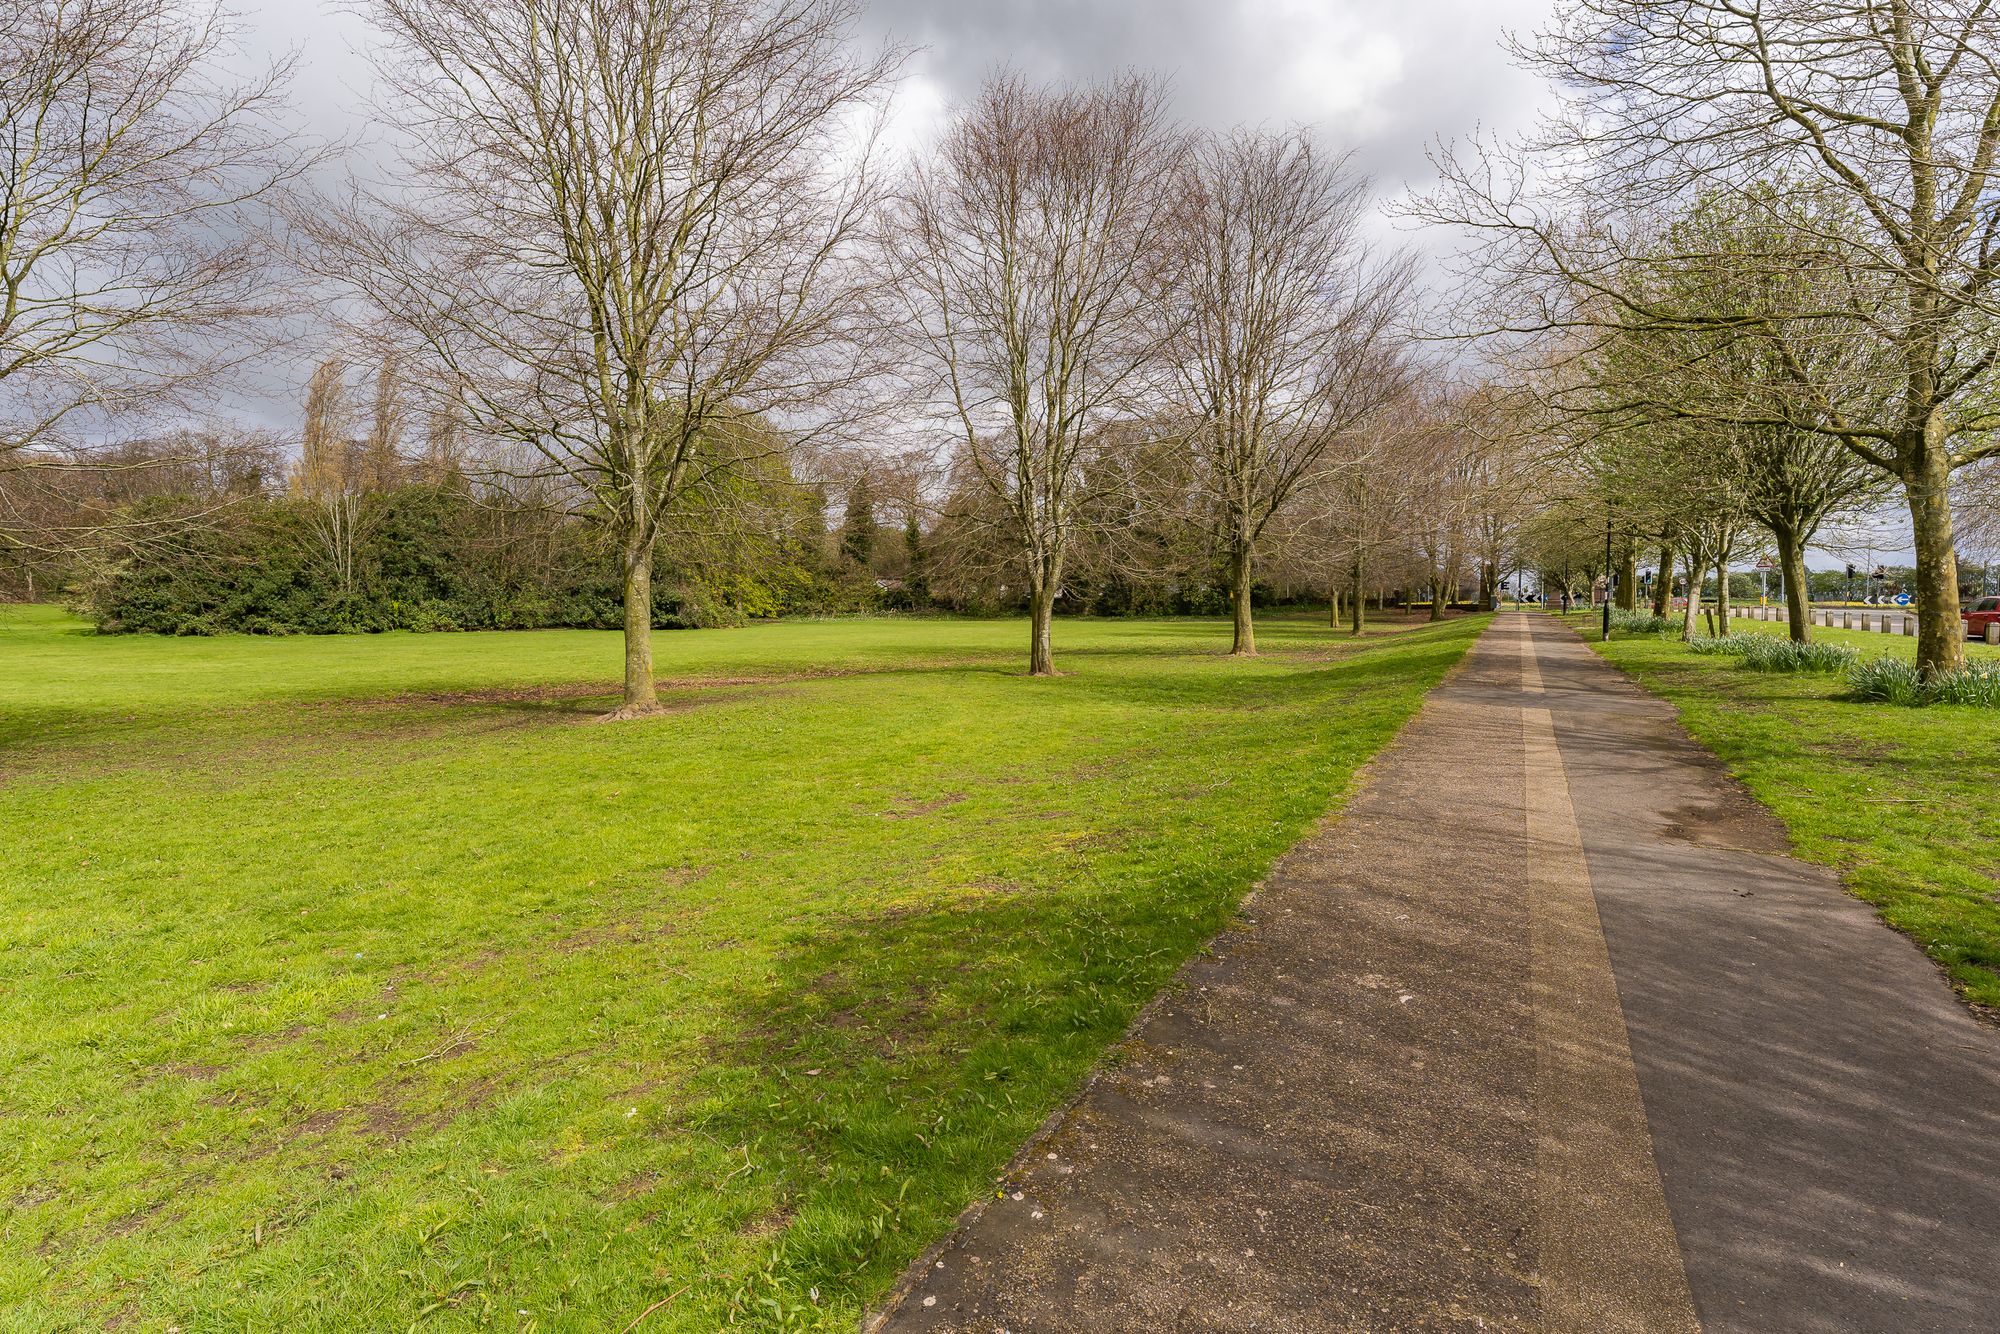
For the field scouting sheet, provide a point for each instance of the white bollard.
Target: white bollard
(1909, 627)
(1847, 620)
(1993, 632)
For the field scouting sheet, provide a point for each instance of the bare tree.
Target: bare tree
(626, 237)
(330, 476)
(381, 463)
(1441, 456)
(1500, 440)
(1892, 106)
(130, 273)
(1287, 339)
(1030, 250)
(1977, 506)
(1355, 513)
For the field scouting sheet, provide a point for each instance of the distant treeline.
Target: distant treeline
(213, 535)
(421, 557)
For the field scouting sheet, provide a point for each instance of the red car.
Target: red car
(1982, 613)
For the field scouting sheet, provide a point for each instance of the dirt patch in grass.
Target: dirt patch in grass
(634, 1187)
(393, 1121)
(913, 808)
(550, 694)
(253, 1043)
(199, 1071)
(827, 673)
(632, 929)
(771, 1222)
(132, 1222)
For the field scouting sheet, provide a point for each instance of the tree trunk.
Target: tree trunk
(1792, 566)
(1663, 588)
(1628, 578)
(1722, 594)
(1244, 642)
(1360, 617)
(641, 696)
(1333, 607)
(1691, 622)
(1437, 595)
(1041, 610)
(1940, 634)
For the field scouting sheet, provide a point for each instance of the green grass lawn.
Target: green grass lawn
(371, 983)
(1905, 802)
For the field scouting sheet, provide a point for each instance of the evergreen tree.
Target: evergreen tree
(857, 526)
(917, 581)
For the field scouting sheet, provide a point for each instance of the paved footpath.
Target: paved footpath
(1546, 1032)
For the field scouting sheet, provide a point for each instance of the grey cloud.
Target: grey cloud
(1251, 61)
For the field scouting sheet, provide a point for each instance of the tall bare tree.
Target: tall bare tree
(1283, 335)
(1441, 493)
(625, 239)
(330, 476)
(130, 270)
(1891, 106)
(1031, 249)
(1356, 514)
(1501, 444)
(381, 462)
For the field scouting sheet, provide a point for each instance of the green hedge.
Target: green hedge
(424, 558)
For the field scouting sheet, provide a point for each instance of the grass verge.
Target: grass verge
(373, 984)
(1903, 802)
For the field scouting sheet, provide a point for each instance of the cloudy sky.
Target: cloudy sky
(1382, 79)
(1385, 78)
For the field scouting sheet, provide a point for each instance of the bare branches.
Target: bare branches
(629, 232)
(1284, 336)
(1031, 256)
(1867, 131)
(131, 273)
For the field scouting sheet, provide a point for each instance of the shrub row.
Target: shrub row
(424, 558)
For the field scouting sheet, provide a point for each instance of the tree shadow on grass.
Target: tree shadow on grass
(889, 1067)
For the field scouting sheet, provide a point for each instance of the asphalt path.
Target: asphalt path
(1545, 1032)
